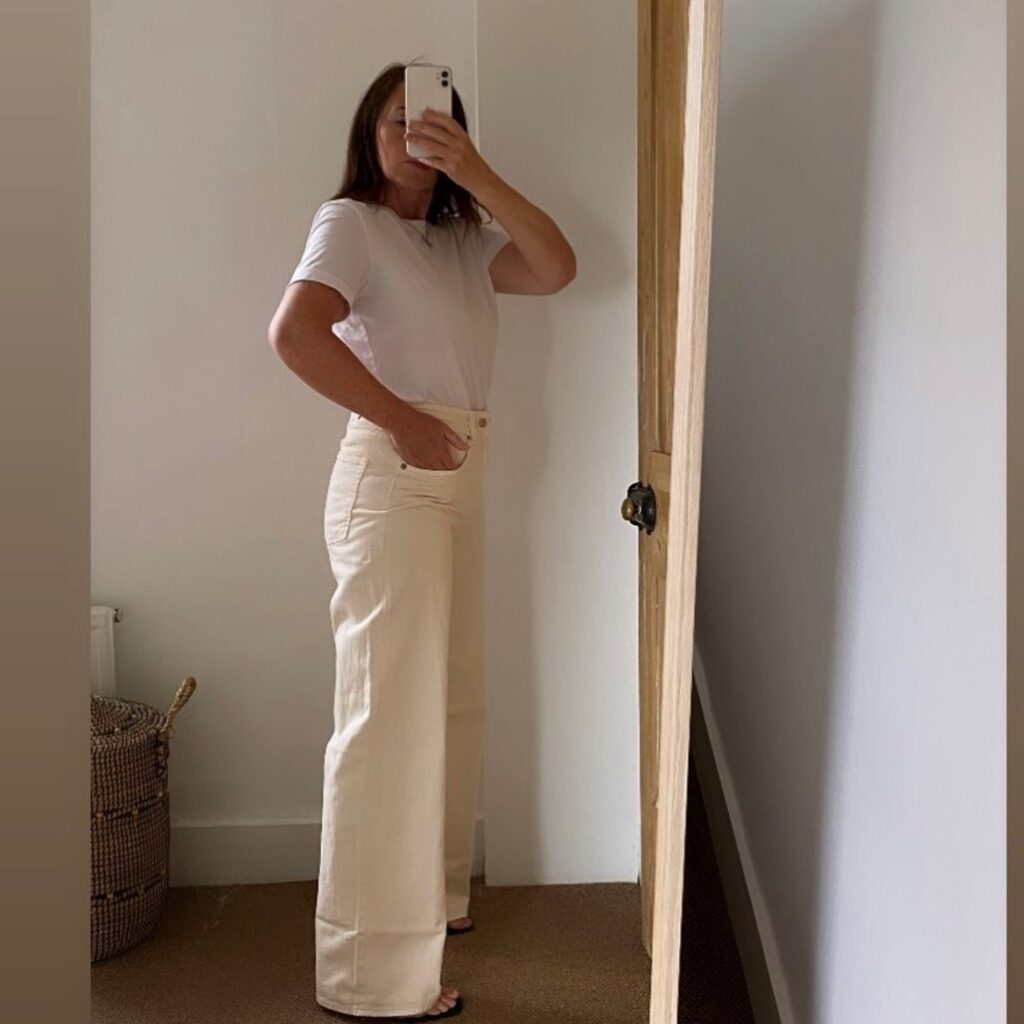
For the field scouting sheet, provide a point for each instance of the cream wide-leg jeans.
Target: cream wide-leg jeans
(402, 767)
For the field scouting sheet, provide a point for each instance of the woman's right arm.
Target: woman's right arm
(300, 333)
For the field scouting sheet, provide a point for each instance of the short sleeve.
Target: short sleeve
(492, 240)
(337, 250)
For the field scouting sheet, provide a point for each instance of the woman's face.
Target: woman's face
(400, 168)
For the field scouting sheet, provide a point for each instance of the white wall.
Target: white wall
(561, 778)
(851, 597)
(217, 130)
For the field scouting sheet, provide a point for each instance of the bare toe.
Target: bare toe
(445, 1001)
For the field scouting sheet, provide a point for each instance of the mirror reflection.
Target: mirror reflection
(367, 373)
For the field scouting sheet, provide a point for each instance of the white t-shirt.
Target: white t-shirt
(424, 320)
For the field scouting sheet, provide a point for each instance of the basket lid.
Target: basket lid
(117, 716)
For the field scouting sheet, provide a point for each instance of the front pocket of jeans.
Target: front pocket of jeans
(408, 467)
(342, 492)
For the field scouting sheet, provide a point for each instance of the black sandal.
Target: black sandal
(459, 931)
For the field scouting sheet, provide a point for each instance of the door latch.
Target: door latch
(639, 506)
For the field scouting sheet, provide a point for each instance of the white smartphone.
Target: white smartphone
(427, 87)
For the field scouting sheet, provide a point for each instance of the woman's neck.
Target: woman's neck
(408, 204)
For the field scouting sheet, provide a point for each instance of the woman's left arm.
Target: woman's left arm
(539, 260)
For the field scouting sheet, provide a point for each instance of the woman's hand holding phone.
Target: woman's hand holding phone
(449, 149)
(425, 442)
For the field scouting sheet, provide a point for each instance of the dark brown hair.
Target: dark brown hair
(364, 177)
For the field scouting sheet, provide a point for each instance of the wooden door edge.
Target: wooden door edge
(701, 102)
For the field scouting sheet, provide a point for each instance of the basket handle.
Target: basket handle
(185, 691)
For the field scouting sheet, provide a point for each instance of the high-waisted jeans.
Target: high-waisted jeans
(402, 768)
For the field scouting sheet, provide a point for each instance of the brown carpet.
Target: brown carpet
(558, 954)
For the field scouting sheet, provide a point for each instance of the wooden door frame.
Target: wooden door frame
(699, 118)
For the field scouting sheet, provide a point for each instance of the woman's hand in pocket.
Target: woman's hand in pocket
(425, 442)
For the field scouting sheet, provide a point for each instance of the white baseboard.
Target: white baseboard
(766, 932)
(255, 852)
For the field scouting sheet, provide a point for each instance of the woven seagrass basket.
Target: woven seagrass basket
(130, 818)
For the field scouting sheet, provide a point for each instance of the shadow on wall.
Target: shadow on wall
(791, 166)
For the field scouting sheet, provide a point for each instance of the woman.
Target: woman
(399, 261)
